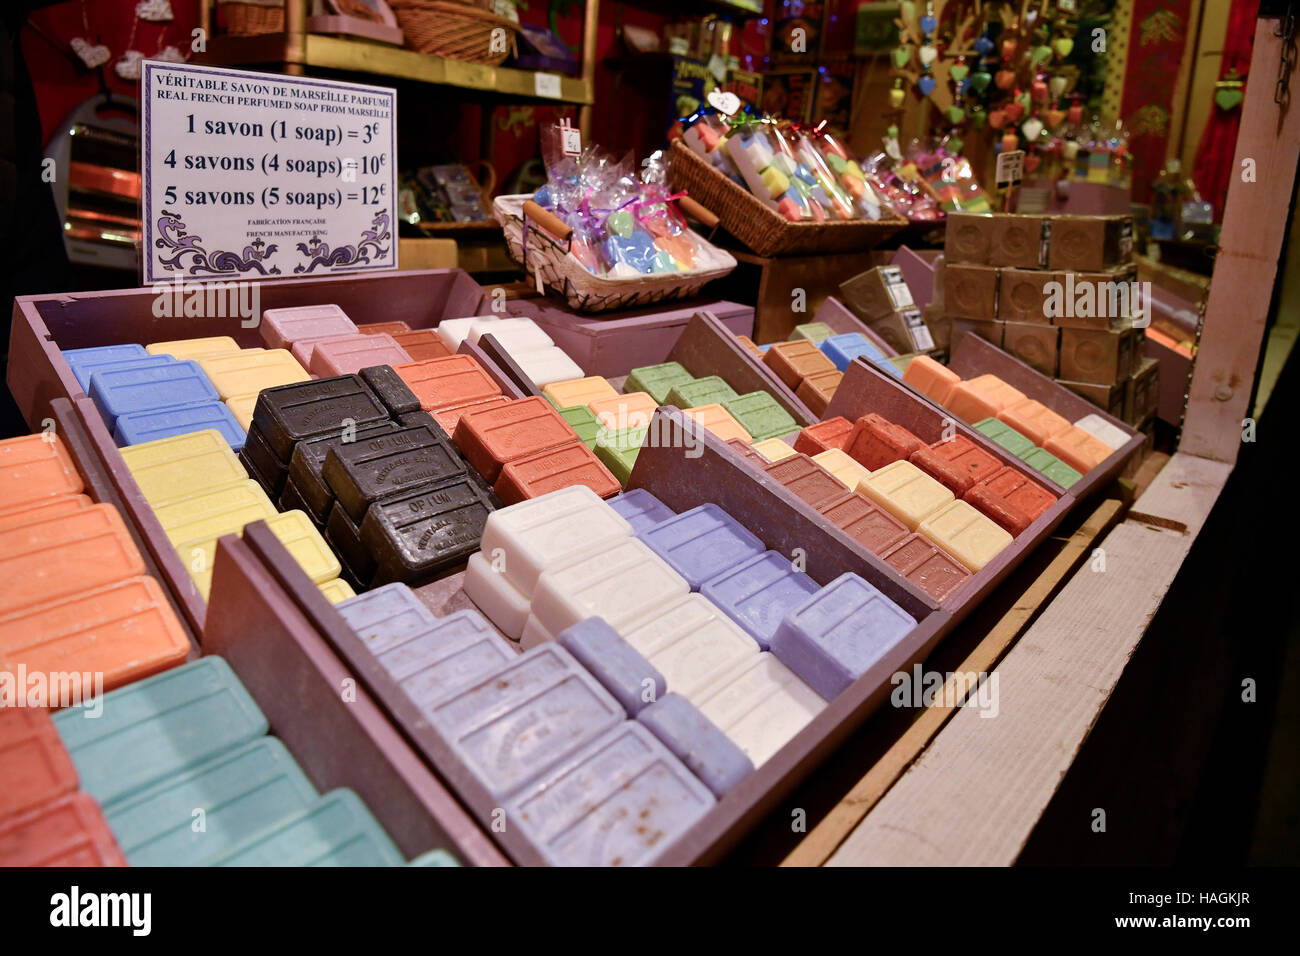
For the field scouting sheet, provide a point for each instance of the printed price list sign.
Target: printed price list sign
(258, 176)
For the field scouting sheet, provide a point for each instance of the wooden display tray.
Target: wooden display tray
(838, 316)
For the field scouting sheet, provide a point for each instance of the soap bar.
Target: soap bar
(157, 728)
(710, 390)
(86, 371)
(494, 594)
(344, 537)
(524, 718)
(906, 492)
(967, 535)
(34, 468)
(1004, 435)
(101, 355)
(244, 373)
(37, 766)
(362, 472)
(309, 461)
(448, 382)
(262, 463)
(291, 413)
(455, 331)
(337, 830)
(303, 349)
(71, 831)
(519, 429)
(957, 462)
(555, 468)
(620, 668)
(840, 633)
(658, 380)
(618, 450)
(794, 361)
(1051, 467)
(640, 509)
(876, 442)
(241, 406)
(296, 532)
(583, 423)
(746, 451)
(832, 433)
(773, 449)
(630, 410)
(421, 345)
(389, 388)
(428, 530)
(1011, 499)
(931, 379)
(449, 418)
(760, 705)
(813, 331)
(1078, 449)
(842, 468)
(928, 566)
(434, 858)
(169, 468)
(347, 356)
(750, 346)
(140, 389)
(50, 508)
(124, 631)
(1112, 436)
(391, 328)
(241, 792)
(578, 391)
(865, 522)
(842, 349)
(280, 328)
(513, 334)
(1034, 420)
(337, 591)
(388, 617)
(184, 349)
(545, 365)
(758, 593)
(621, 801)
(697, 742)
(760, 415)
(806, 479)
(691, 642)
(213, 512)
(719, 421)
(701, 542)
(981, 397)
(138, 427)
(69, 561)
(817, 390)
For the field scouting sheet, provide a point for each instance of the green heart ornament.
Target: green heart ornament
(980, 81)
(892, 132)
(956, 114)
(958, 71)
(955, 143)
(902, 56)
(1041, 54)
(1228, 98)
(979, 119)
(1063, 46)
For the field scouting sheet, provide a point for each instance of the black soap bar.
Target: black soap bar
(424, 418)
(415, 536)
(266, 466)
(362, 472)
(291, 500)
(344, 537)
(289, 413)
(309, 460)
(390, 389)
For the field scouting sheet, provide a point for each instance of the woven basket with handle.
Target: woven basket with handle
(455, 30)
(253, 19)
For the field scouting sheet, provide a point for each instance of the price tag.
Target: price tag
(259, 176)
(571, 141)
(547, 84)
(1011, 167)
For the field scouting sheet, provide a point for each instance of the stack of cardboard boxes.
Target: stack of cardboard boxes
(881, 298)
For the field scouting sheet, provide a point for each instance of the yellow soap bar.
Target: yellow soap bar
(213, 513)
(295, 531)
(183, 349)
(773, 449)
(906, 492)
(846, 470)
(719, 421)
(630, 410)
(337, 590)
(967, 535)
(579, 391)
(241, 406)
(251, 370)
(165, 477)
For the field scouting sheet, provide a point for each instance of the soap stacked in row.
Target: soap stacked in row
(326, 342)
(521, 339)
(840, 347)
(806, 370)
(74, 593)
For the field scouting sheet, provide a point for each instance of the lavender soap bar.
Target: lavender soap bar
(614, 662)
(700, 543)
(758, 594)
(640, 509)
(697, 742)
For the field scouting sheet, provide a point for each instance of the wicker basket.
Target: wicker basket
(549, 258)
(252, 19)
(763, 229)
(454, 30)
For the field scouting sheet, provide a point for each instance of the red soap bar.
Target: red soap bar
(450, 417)
(876, 442)
(381, 328)
(832, 433)
(968, 456)
(807, 479)
(70, 831)
(953, 477)
(930, 568)
(51, 508)
(572, 464)
(746, 450)
(1011, 499)
(34, 468)
(447, 382)
(518, 429)
(347, 356)
(422, 345)
(37, 768)
(865, 522)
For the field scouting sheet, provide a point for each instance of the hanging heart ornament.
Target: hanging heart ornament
(128, 65)
(956, 114)
(928, 24)
(959, 71)
(1005, 79)
(1031, 127)
(1063, 46)
(1228, 98)
(927, 54)
(1041, 54)
(901, 56)
(926, 85)
(1054, 118)
(980, 81)
(983, 45)
(155, 11)
(93, 56)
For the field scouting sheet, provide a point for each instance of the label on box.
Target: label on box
(1126, 240)
(896, 286)
(918, 331)
(256, 176)
(1044, 243)
(547, 84)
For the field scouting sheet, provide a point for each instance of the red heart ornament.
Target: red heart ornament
(1005, 79)
(1032, 162)
(1014, 110)
(997, 118)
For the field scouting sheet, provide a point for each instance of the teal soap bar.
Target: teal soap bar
(710, 390)
(203, 813)
(617, 450)
(812, 331)
(1051, 467)
(1000, 433)
(434, 858)
(583, 421)
(761, 416)
(657, 380)
(336, 830)
(156, 728)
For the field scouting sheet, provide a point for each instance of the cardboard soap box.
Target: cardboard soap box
(970, 292)
(1090, 243)
(1020, 241)
(1109, 398)
(1022, 294)
(1035, 344)
(1098, 356)
(877, 293)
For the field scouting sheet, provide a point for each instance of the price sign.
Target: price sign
(1011, 167)
(259, 176)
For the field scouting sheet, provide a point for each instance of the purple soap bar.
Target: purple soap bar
(620, 802)
(521, 720)
(758, 594)
(387, 617)
(640, 509)
(614, 662)
(697, 742)
(700, 543)
(835, 636)
(282, 327)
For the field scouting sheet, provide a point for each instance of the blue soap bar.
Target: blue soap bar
(524, 718)
(336, 830)
(387, 616)
(834, 637)
(621, 801)
(85, 371)
(884, 364)
(103, 354)
(614, 662)
(844, 348)
(764, 348)
(156, 728)
(758, 594)
(697, 742)
(137, 427)
(700, 543)
(140, 389)
(200, 815)
(434, 858)
(640, 509)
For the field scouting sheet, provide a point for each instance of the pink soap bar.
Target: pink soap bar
(282, 327)
(347, 356)
(303, 348)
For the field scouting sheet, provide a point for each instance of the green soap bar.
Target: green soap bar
(1048, 465)
(1003, 434)
(240, 793)
(618, 449)
(583, 421)
(336, 830)
(710, 390)
(812, 331)
(550, 399)
(434, 858)
(657, 380)
(156, 728)
(761, 416)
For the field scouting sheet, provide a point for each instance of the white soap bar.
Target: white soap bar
(546, 365)
(550, 531)
(513, 335)
(692, 644)
(760, 704)
(493, 594)
(454, 331)
(534, 634)
(1102, 430)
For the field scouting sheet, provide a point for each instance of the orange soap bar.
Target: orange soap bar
(36, 765)
(551, 470)
(35, 467)
(876, 442)
(719, 421)
(446, 382)
(517, 429)
(746, 450)
(1011, 499)
(1078, 449)
(125, 631)
(817, 390)
(450, 417)
(981, 397)
(823, 436)
(422, 345)
(50, 532)
(50, 508)
(957, 462)
(71, 831)
(380, 328)
(1034, 420)
(794, 361)
(52, 572)
(931, 379)
(632, 410)
(749, 344)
